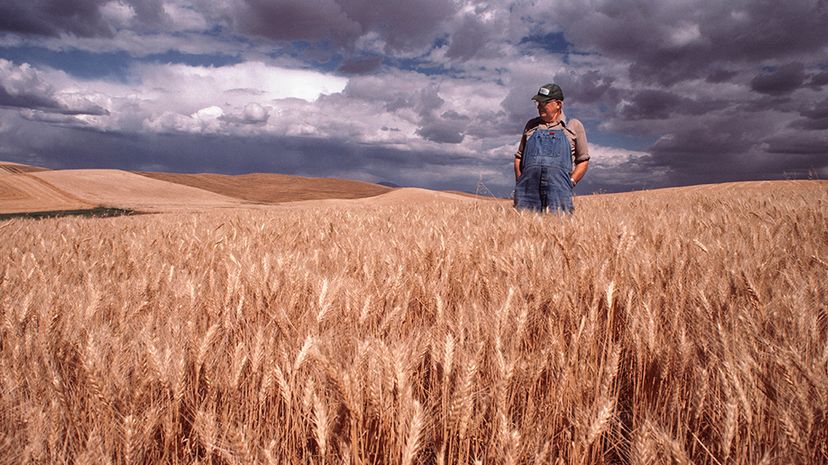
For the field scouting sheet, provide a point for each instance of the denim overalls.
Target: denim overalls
(544, 181)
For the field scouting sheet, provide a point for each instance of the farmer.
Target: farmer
(552, 157)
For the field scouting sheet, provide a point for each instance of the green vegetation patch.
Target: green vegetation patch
(97, 212)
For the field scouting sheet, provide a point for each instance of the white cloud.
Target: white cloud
(117, 13)
(175, 98)
(52, 118)
(24, 86)
(608, 157)
(255, 113)
(184, 18)
(83, 103)
(685, 34)
(169, 121)
(207, 120)
(201, 99)
(22, 79)
(200, 85)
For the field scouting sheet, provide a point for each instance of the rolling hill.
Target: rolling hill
(21, 191)
(123, 189)
(26, 189)
(273, 188)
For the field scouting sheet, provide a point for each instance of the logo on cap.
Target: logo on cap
(543, 91)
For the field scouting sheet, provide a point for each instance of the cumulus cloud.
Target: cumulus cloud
(447, 132)
(253, 113)
(22, 86)
(24, 83)
(195, 83)
(206, 120)
(609, 157)
(215, 100)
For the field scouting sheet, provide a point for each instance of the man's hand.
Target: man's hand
(579, 171)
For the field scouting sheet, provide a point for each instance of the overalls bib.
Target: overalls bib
(544, 181)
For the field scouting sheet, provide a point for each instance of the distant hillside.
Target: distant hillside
(124, 189)
(16, 168)
(22, 191)
(273, 188)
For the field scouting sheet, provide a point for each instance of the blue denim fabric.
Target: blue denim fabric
(544, 182)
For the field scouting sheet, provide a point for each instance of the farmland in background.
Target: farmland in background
(684, 325)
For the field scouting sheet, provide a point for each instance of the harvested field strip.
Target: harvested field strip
(25, 192)
(122, 189)
(274, 188)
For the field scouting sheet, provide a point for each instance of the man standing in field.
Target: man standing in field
(552, 157)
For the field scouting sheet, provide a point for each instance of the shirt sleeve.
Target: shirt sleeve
(581, 144)
(522, 145)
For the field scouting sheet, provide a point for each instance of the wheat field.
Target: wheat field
(677, 326)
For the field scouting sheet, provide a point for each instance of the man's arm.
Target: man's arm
(581, 151)
(580, 170)
(521, 146)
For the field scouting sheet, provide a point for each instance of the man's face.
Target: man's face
(549, 109)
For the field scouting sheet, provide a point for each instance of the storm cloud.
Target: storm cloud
(431, 93)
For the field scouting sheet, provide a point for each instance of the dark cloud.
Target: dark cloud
(721, 148)
(62, 148)
(719, 75)
(401, 25)
(518, 105)
(468, 39)
(781, 80)
(669, 43)
(752, 30)
(25, 100)
(428, 101)
(818, 110)
(445, 132)
(818, 80)
(360, 65)
(811, 124)
(313, 20)
(448, 128)
(148, 13)
(815, 117)
(587, 87)
(54, 17)
(652, 104)
(702, 143)
(661, 104)
(801, 145)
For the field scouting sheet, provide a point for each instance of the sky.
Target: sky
(429, 93)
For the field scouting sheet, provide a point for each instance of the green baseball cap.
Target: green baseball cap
(549, 92)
